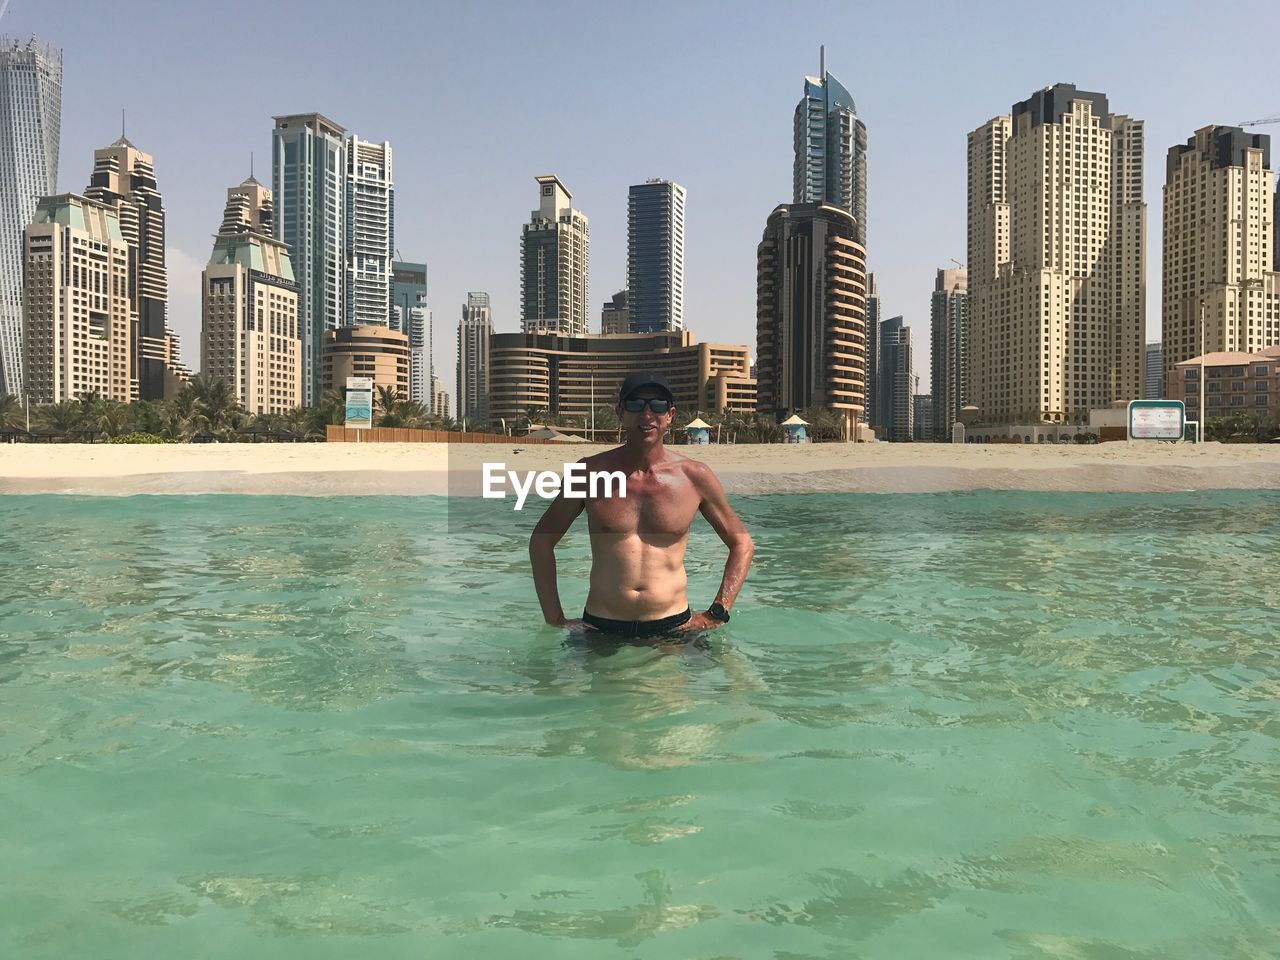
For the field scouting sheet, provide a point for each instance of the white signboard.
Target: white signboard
(1156, 419)
(359, 402)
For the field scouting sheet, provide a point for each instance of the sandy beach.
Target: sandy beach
(338, 469)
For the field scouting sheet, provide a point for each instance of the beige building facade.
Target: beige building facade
(77, 317)
(811, 339)
(1057, 240)
(1235, 381)
(566, 376)
(1218, 236)
(554, 258)
(373, 351)
(124, 178)
(615, 316)
(249, 331)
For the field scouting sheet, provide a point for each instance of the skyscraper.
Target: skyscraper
(831, 149)
(1057, 234)
(1218, 205)
(810, 339)
(249, 334)
(124, 178)
(655, 256)
(370, 232)
(411, 316)
(615, 316)
(872, 380)
(474, 334)
(923, 429)
(897, 410)
(949, 350)
(30, 126)
(553, 264)
(308, 178)
(1155, 372)
(78, 323)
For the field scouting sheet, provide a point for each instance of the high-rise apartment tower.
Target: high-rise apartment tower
(897, 410)
(124, 178)
(831, 149)
(370, 232)
(411, 316)
(1057, 236)
(308, 179)
(1218, 231)
(872, 389)
(249, 331)
(475, 332)
(30, 125)
(615, 316)
(553, 264)
(1154, 389)
(810, 314)
(77, 315)
(655, 256)
(949, 350)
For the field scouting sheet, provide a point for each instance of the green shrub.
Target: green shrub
(141, 438)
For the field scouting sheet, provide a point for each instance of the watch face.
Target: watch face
(718, 611)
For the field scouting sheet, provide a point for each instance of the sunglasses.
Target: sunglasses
(639, 403)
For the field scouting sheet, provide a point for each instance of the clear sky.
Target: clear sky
(477, 98)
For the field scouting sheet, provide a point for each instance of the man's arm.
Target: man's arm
(542, 554)
(715, 507)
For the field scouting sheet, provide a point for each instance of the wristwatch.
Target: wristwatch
(717, 612)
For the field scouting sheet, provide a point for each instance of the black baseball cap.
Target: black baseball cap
(644, 378)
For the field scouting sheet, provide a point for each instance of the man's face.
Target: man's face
(646, 427)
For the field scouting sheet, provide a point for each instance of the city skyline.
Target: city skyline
(915, 232)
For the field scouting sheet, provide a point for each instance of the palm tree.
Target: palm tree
(147, 416)
(64, 416)
(823, 423)
(329, 410)
(113, 417)
(217, 402)
(390, 406)
(413, 414)
(90, 404)
(181, 415)
(11, 412)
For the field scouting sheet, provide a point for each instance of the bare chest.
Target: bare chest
(653, 505)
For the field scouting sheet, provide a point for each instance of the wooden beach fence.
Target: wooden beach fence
(340, 434)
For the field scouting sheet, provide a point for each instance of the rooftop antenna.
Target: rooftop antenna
(122, 136)
(250, 164)
(822, 62)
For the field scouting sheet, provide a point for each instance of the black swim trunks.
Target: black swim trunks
(639, 629)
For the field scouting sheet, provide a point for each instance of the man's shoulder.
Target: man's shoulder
(698, 472)
(605, 459)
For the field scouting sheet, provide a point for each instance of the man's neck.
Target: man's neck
(640, 457)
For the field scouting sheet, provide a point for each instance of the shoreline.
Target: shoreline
(437, 469)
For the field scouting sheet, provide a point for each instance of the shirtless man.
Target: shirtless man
(638, 541)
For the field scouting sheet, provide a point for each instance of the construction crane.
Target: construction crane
(1262, 122)
(957, 263)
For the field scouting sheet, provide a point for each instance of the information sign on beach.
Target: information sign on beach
(1156, 419)
(359, 402)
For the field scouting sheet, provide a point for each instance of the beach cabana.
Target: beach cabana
(793, 429)
(696, 431)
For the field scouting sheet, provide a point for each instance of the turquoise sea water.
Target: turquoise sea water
(949, 725)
